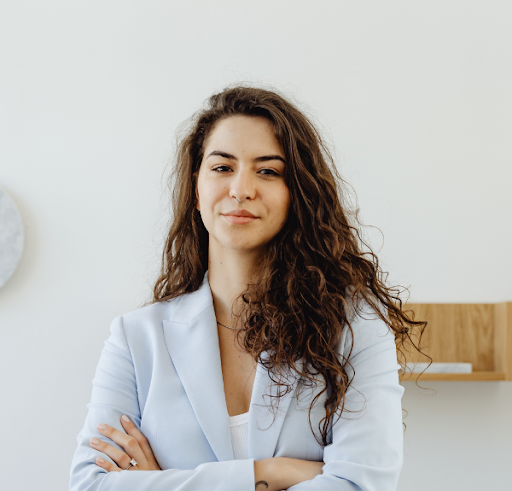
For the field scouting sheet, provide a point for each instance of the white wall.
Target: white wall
(414, 95)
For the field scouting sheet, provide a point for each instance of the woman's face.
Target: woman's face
(242, 159)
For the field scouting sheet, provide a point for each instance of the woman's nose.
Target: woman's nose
(243, 186)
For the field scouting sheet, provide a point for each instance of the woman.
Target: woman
(267, 359)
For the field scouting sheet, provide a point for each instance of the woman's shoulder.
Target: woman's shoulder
(159, 310)
(144, 320)
(366, 322)
(182, 309)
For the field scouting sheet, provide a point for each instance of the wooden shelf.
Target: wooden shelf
(480, 334)
(475, 376)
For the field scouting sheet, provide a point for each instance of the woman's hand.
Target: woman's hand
(277, 473)
(134, 443)
(294, 471)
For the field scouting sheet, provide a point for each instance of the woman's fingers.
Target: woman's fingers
(132, 430)
(118, 456)
(127, 442)
(108, 466)
(133, 444)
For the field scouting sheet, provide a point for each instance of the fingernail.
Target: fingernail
(94, 441)
(100, 460)
(126, 418)
(101, 426)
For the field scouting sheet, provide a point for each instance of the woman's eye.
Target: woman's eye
(221, 168)
(269, 172)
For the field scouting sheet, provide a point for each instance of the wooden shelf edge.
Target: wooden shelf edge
(475, 376)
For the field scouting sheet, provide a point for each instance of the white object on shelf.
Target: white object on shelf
(441, 367)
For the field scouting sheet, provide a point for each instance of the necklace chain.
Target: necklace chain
(234, 328)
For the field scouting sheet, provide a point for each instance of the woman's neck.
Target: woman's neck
(229, 273)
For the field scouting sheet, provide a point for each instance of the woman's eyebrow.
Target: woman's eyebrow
(257, 159)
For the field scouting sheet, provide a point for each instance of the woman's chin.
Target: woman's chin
(244, 246)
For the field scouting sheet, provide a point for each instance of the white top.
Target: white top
(239, 425)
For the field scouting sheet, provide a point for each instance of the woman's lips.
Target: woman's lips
(238, 220)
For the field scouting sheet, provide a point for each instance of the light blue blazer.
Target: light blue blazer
(161, 366)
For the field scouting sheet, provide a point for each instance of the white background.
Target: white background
(414, 96)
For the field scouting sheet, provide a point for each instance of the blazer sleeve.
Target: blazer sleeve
(114, 394)
(366, 453)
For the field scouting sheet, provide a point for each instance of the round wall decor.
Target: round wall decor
(11, 237)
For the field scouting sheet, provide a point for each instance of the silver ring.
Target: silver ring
(242, 200)
(132, 463)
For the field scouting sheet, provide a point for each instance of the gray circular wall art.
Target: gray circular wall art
(11, 237)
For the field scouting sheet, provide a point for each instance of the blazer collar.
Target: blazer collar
(193, 344)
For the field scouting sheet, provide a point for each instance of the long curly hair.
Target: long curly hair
(297, 308)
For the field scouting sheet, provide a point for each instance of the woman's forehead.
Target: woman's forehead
(243, 134)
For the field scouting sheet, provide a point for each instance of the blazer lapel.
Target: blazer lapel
(264, 431)
(193, 344)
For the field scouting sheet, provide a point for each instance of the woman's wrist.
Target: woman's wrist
(267, 476)
(279, 473)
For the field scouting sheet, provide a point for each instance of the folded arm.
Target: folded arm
(366, 452)
(114, 395)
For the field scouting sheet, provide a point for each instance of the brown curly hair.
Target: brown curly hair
(296, 310)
